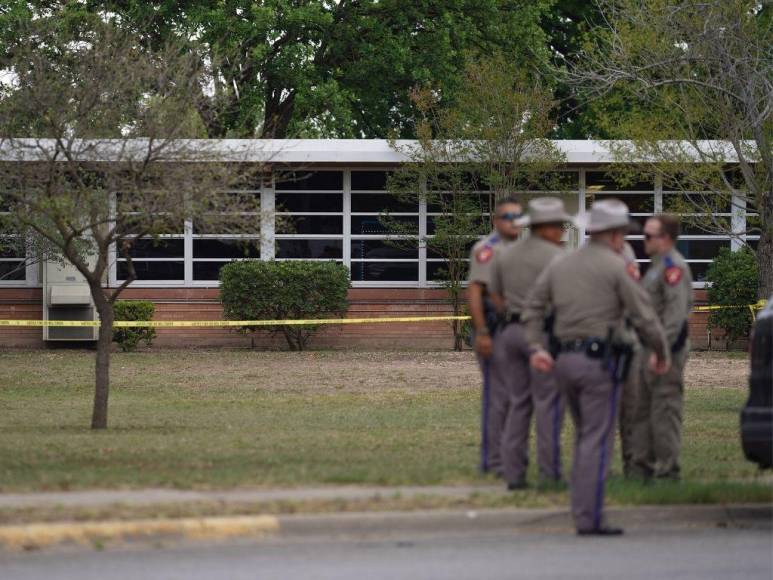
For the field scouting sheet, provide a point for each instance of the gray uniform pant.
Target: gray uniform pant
(494, 405)
(628, 402)
(592, 397)
(529, 392)
(657, 425)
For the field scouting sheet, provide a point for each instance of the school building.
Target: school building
(334, 207)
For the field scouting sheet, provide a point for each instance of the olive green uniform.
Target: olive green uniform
(589, 292)
(657, 426)
(516, 269)
(494, 402)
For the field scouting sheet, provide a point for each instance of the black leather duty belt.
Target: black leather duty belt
(592, 347)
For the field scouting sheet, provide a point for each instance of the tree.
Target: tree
(323, 68)
(96, 157)
(490, 142)
(696, 79)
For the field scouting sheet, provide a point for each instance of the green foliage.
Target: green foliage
(258, 290)
(283, 68)
(485, 143)
(733, 282)
(129, 338)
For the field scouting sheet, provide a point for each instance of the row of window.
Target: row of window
(335, 215)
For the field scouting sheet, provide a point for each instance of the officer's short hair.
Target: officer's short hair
(505, 200)
(670, 225)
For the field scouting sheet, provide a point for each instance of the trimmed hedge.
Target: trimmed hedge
(129, 338)
(733, 280)
(259, 290)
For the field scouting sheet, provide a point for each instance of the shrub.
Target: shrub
(129, 338)
(257, 290)
(733, 282)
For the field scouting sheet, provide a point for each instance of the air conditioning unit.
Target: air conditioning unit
(66, 296)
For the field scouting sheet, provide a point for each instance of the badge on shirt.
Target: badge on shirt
(673, 274)
(484, 255)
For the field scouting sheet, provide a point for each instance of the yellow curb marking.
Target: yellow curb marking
(46, 534)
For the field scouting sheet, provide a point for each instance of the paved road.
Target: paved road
(703, 553)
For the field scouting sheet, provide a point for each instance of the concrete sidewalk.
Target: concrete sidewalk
(326, 525)
(143, 497)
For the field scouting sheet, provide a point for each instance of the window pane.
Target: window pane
(310, 249)
(369, 180)
(637, 202)
(157, 249)
(705, 228)
(226, 248)
(371, 225)
(225, 224)
(701, 249)
(304, 180)
(699, 271)
(696, 203)
(599, 181)
(377, 249)
(12, 271)
(207, 271)
(310, 225)
(153, 270)
(381, 202)
(385, 271)
(309, 202)
(638, 248)
(10, 248)
(482, 202)
(483, 224)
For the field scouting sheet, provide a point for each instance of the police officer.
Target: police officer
(589, 291)
(657, 425)
(483, 312)
(516, 268)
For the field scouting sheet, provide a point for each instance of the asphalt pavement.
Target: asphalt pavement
(682, 553)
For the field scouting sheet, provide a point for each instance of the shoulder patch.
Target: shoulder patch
(484, 255)
(672, 274)
(633, 270)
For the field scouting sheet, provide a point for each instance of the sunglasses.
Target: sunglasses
(509, 216)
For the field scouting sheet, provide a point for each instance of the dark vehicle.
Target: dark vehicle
(757, 414)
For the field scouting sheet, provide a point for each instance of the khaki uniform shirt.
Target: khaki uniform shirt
(669, 284)
(517, 267)
(482, 258)
(590, 292)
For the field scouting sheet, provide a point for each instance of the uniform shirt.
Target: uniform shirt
(669, 284)
(517, 267)
(482, 258)
(589, 291)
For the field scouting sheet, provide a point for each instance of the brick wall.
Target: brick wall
(203, 304)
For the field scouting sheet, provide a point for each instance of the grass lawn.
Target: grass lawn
(222, 419)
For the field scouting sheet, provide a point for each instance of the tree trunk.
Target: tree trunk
(765, 262)
(102, 385)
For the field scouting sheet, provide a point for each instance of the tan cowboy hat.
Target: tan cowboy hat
(608, 214)
(544, 210)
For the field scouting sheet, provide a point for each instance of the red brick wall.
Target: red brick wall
(203, 304)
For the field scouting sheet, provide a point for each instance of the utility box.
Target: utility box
(66, 296)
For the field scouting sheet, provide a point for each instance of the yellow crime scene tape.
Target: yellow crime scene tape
(238, 323)
(227, 323)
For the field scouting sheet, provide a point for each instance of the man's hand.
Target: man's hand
(542, 361)
(658, 365)
(484, 346)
